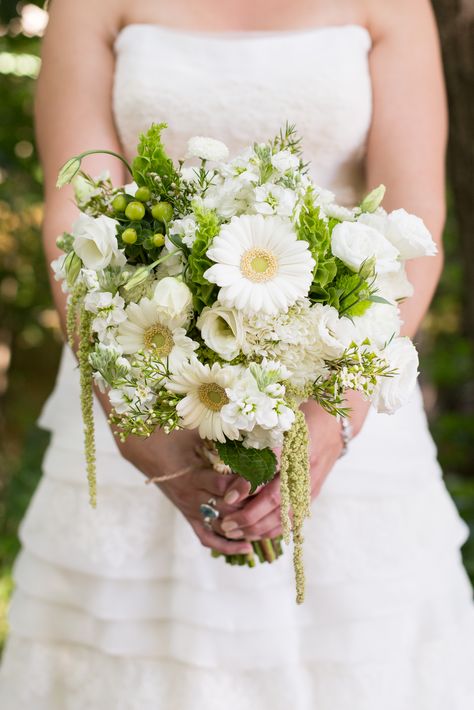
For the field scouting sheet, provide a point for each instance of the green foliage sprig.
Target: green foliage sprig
(208, 227)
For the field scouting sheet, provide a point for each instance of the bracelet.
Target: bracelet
(346, 435)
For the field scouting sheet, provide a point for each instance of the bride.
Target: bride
(123, 607)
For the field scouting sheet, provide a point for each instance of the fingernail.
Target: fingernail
(234, 533)
(231, 497)
(229, 525)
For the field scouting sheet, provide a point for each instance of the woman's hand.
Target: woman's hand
(259, 517)
(163, 455)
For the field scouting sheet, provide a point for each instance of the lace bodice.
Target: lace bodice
(243, 86)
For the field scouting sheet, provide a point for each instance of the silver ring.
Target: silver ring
(209, 512)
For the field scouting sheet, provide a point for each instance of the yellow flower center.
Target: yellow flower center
(258, 265)
(213, 396)
(159, 338)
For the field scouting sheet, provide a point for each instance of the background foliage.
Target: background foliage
(29, 336)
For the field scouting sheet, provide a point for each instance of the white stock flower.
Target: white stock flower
(222, 330)
(207, 149)
(123, 399)
(394, 286)
(252, 405)
(260, 264)
(205, 390)
(89, 276)
(174, 299)
(284, 160)
(95, 242)
(185, 228)
(355, 242)
(149, 327)
(109, 312)
(229, 197)
(274, 199)
(393, 392)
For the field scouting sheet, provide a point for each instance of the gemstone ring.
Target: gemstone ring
(209, 512)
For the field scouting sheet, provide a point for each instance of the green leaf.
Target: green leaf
(378, 299)
(257, 466)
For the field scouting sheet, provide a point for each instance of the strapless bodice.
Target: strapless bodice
(241, 87)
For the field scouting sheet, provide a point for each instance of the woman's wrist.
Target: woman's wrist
(358, 410)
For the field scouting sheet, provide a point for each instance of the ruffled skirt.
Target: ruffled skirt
(122, 608)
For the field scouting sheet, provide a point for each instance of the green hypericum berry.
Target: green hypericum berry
(162, 211)
(143, 194)
(135, 211)
(119, 203)
(129, 236)
(158, 240)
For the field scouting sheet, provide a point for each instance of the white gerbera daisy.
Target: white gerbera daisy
(260, 264)
(148, 327)
(205, 390)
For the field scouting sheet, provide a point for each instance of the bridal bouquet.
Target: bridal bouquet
(219, 294)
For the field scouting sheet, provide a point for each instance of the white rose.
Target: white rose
(207, 149)
(284, 160)
(174, 297)
(393, 392)
(354, 243)
(409, 235)
(405, 231)
(95, 242)
(394, 286)
(222, 330)
(334, 334)
(379, 323)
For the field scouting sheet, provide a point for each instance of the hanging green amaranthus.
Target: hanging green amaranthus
(295, 488)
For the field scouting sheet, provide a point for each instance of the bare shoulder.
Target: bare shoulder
(87, 21)
(403, 21)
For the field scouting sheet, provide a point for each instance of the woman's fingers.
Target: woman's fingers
(261, 529)
(237, 491)
(208, 480)
(256, 508)
(210, 539)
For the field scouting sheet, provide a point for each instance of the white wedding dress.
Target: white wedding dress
(121, 608)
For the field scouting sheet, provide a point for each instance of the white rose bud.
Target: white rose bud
(354, 243)
(373, 199)
(393, 392)
(95, 242)
(174, 297)
(409, 235)
(207, 149)
(222, 330)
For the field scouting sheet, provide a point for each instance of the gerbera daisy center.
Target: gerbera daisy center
(159, 338)
(258, 265)
(213, 396)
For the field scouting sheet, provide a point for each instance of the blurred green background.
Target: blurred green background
(30, 341)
